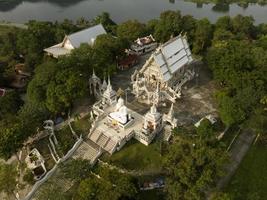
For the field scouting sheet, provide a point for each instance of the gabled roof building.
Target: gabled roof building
(168, 61)
(73, 41)
(164, 73)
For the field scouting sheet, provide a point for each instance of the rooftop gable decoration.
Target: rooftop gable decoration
(74, 40)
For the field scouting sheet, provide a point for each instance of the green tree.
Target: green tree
(220, 196)
(8, 179)
(189, 27)
(76, 170)
(36, 90)
(10, 104)
(51, 190)
(230, 110)
(106, 21)
(169, 25)
(193, 164)
(64, 90)
(110, 184)
(10, 137)
(131, 30)
(243, 26)
(203, 35)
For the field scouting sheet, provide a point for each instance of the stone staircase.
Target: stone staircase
(87, 151)
(111, 144)
(94, 135)
(102, 140)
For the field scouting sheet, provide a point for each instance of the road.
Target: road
(237, 153)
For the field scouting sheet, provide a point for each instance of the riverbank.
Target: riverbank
(12, 24)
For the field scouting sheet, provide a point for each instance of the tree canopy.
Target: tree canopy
(193, 163)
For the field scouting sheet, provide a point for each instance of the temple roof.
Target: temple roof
(86, 36)
(172, 55)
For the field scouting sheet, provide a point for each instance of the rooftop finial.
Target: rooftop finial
(109, 79)
(93, 71)
(171, 111)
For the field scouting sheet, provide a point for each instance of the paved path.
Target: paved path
(237, 153)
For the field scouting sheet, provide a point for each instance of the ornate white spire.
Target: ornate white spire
(153, 109)
(94, 76)
(104, 84)
(171, 112)
(109, 80)
(109, 93)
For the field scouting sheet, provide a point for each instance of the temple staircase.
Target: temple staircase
(103, 141)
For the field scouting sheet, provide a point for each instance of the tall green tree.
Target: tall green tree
(203, 35)
(110, 184)
(10, 104)
(131, 30)
(193, 164)
(169, 25)
(8, 179)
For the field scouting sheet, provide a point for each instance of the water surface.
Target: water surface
(120, 10)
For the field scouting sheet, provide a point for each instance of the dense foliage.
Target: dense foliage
(193, 163)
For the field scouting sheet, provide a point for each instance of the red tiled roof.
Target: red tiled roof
(128, 60)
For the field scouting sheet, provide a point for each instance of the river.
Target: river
(19, 11)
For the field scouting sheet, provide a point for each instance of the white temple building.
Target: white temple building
(73, 41)
(144, 45)
(113, 124)
(165, 72)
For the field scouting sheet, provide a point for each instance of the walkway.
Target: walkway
(237, 153)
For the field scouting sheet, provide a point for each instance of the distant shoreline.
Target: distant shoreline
(18, 25)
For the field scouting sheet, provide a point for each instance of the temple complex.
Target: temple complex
(165, 72)
(113, 123)
(160, 79)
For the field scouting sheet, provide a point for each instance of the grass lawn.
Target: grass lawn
(136, 156)
(250, 180)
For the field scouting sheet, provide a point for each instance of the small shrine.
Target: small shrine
(36, 163)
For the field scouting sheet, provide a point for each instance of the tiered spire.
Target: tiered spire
(104, 84)
(171, 112)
